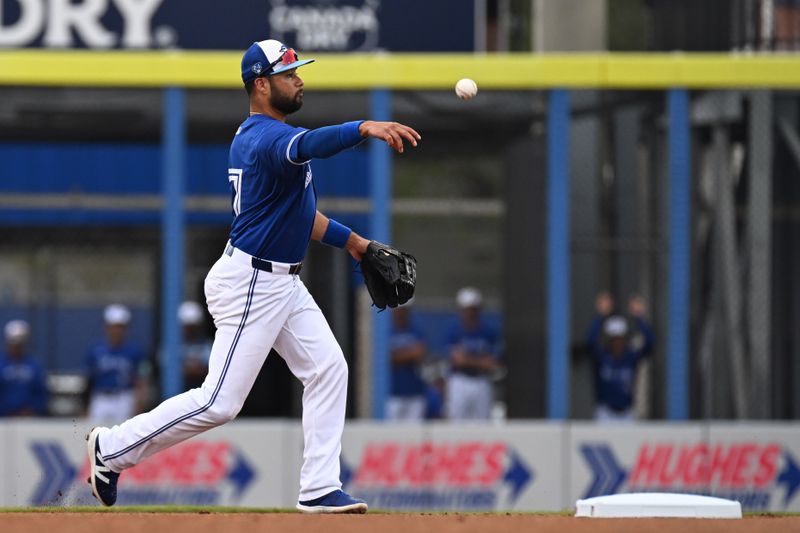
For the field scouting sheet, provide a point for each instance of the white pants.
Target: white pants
(408, 408)
(468, 397)
(253, 311)
(605, 414)
(111, 408)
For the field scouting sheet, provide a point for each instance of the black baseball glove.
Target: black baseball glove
(390, 275)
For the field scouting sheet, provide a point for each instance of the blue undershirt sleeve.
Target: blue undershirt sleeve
(325, 142)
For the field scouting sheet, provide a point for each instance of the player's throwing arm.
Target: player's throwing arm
(391, 132)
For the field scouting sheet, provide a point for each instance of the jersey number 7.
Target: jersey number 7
(235, 177)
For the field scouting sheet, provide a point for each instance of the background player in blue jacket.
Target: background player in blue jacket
(407, 349)
(474, 358)
(113, 368)
(23, 386)
(617, 349)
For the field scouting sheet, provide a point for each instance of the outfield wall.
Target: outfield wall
(519, 466)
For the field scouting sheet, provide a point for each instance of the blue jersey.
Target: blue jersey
(406, 380)
(274, 202)
(615, 376)
(482, 340)
(434, 403)
(113, 369)
(22, 386)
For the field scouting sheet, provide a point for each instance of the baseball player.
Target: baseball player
(474, 357)
(407, 350)
(114, 365)
(616, 357)
(23, 387)
(255, 295)
(196, 347)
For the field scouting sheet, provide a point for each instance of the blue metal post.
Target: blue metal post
(173, 157)
(380, 176)
(558, 256)
(679, 256)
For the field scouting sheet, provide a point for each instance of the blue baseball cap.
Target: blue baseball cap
(269, 57)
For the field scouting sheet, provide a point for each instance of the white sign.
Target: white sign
(454, 467)
(326, 27)
(58, 21)
(241, 464)
(756, 464)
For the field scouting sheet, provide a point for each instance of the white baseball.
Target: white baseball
(466, 89)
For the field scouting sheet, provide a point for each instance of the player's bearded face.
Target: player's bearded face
(285, 97)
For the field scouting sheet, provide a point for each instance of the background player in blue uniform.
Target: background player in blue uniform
(407, 349)
(255, 295)
(616, 354)
(113, 368)
(474, 354)
(23, 383)
(195, 345)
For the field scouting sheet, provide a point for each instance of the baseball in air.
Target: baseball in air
(466, 89)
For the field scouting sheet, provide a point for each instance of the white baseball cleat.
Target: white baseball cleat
(102, 479)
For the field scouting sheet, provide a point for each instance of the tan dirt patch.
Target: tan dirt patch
(65, 522)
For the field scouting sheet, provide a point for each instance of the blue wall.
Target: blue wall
(60, 337)
(135, 169)
(377, 25)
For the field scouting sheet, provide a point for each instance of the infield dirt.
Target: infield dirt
(65, 522)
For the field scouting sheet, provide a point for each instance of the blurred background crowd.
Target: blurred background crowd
(117, 381)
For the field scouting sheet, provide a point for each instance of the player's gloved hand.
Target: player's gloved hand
(389, 274)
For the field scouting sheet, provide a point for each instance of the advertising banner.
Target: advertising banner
(519, 466)
(755, 464)
(242, 464)
(464, 467)
(308, 25)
